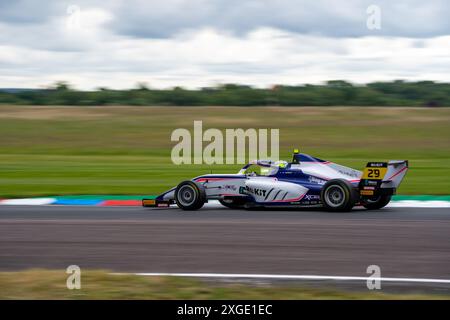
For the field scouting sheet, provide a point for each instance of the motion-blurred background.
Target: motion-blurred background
(77, 79)
(90, 92)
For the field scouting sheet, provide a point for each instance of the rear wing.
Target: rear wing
(379, 176)
(396, 171)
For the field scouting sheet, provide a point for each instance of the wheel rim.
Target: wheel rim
(335, 196)
(186, 195)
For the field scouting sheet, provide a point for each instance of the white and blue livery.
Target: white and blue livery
(306, 181)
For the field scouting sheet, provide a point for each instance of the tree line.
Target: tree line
(337, 92)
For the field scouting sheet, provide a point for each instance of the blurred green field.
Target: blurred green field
(126, 150)
(51, 284)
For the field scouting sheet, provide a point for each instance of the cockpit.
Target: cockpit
(269, 167)
(263, 167)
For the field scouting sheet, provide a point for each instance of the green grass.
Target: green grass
(49, 284)
(126, 150)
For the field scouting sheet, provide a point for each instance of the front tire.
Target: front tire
(338, 195)
(190, 195)
(376, 203)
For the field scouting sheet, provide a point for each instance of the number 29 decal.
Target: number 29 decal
(374, 173)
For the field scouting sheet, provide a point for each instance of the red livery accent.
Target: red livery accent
(133, 203)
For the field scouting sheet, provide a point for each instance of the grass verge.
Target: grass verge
(50, 284)
(126, 150)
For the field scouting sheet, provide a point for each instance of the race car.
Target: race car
(306, 181)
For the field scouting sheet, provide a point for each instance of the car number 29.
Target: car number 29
(373, 173)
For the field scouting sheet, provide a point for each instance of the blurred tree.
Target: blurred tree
(334, 92)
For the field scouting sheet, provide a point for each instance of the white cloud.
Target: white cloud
(162, 19)
(241, 42)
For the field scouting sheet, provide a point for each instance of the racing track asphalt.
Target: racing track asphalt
(404, 242)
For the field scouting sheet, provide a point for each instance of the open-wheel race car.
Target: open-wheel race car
(305, 182)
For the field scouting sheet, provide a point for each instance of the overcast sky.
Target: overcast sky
(194, 43)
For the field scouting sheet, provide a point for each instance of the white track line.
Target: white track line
(419, 204)
(290, 277)
(28, 201)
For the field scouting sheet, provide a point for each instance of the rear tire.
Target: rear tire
(233, 203)
(338, 195)
(190, 195)
(377, 203)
